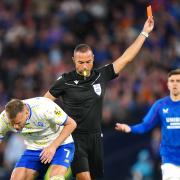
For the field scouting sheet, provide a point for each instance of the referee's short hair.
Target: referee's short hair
(82, 48)
(174, 72)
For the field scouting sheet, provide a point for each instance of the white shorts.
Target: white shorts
(170, 171)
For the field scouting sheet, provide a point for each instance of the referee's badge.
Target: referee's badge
(97, 89)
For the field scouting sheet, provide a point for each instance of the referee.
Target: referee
(82, 92)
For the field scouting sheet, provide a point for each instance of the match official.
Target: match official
(82, 92)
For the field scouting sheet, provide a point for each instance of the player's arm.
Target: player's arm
(134, 48)
(150, 121)
(137, 129)
(56, 116)
(68, 128)
(48, 152)
(4, 128)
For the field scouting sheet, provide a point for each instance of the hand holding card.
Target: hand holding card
(149, 11)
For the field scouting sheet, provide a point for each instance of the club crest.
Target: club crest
(97, 89)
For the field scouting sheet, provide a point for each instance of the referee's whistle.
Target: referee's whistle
(85, 73)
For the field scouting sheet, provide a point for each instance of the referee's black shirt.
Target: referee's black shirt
(83, 97)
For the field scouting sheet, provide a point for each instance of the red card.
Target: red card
(149, 11)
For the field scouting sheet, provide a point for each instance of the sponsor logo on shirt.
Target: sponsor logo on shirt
(97, 89)
(57, 112)
(40, 124)
(173, 122)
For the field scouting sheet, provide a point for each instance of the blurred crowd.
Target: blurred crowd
(37, 39)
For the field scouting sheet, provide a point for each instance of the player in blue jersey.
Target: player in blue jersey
(166, 112)
(46, 129)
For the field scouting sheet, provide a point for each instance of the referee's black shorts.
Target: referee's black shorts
(88, 154)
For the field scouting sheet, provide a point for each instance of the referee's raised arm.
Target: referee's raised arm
(134, 48)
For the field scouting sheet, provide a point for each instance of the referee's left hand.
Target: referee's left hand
(47, 154)
(149, 25)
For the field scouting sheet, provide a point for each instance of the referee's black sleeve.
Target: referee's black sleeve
(108, 72)
(57, 89)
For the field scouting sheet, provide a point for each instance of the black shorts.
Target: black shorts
(88, 154)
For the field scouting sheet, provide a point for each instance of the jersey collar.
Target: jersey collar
(30, 113)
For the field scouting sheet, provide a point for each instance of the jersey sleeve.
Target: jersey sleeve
(150, 120)
(55, 114)
(57, 88)
(4, 128)
(108, 72)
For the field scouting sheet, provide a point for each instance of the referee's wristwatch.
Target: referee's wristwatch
(145, 34)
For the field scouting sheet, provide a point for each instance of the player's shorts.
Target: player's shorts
(88, 155)
(170, 171)
(31, 159)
